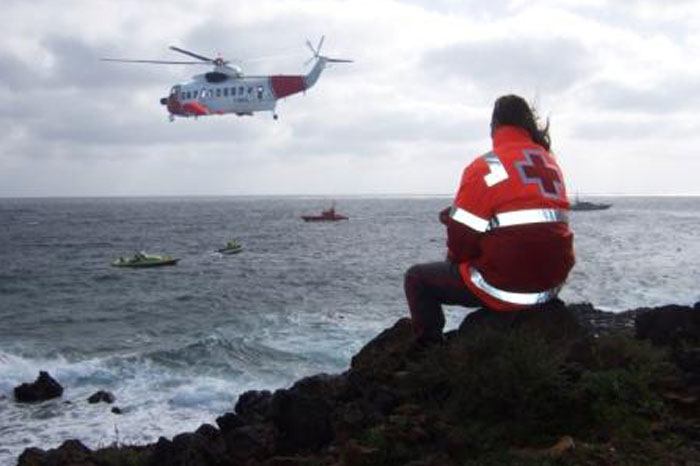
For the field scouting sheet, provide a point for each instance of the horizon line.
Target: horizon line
(311, 195)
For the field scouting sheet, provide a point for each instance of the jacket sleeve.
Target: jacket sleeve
(469, 215)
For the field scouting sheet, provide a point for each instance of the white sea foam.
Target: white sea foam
(155, 402)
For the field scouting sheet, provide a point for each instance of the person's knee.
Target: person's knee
(412, 277)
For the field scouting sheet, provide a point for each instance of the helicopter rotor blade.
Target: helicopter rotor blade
(157, 62)
(320, 44)
(192, 54)
(311, 47)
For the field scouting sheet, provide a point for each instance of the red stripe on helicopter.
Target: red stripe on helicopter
(283, 85)
(195, 108)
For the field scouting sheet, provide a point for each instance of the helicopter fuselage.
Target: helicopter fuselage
(219, 93)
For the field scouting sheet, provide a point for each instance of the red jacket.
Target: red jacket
(508, 226)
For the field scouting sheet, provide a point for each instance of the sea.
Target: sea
(178, 345)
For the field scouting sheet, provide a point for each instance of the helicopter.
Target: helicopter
(226, 89)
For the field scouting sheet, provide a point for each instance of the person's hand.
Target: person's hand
(445, 215)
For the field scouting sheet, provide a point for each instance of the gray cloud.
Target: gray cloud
(620, 130)
(669, 95)
(554, 65)
(481, 10)
(77, 65)
(16, 74)
(625, 15)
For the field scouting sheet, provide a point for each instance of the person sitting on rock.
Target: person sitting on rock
(509, 244)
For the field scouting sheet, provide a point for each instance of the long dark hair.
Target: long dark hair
(514, 110)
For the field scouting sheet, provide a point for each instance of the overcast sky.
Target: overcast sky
(619, 80)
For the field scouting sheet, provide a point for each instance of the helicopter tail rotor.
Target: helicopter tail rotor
(316, 51)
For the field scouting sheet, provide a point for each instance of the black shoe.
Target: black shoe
(423, 345)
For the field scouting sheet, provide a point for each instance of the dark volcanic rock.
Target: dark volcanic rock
(208, 431)
(384, 354)
(70, 453)
(254, 406)
(103, 396)
(43, 388)
(302, 415)
(229, 422)
(554, 320)
(189, 449)
(668, 324)
(679, 328)
(256, 441)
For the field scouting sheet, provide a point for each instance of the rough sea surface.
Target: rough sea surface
(177, 345)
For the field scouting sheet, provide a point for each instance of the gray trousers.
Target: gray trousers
(428, 287)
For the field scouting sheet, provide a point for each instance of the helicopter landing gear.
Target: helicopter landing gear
(171, 117)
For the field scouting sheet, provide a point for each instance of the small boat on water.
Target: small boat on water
(327, 215)
(232, 247)
(585, 205)
(142, 259)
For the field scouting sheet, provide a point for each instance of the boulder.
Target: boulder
(554, 320)
(43, 388)
(101, 396)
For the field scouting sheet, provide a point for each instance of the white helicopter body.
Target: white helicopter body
(226, 89)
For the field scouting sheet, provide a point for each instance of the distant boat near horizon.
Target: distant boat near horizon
(142, 260)
(579, 205)
(327, 215)
(232, 247)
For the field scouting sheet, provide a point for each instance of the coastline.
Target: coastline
(568, 382)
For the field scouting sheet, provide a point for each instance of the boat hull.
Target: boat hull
(145, 264)
(229, 252)
(315, 218)
(577, 208)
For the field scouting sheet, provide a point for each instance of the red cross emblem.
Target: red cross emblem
(534, 170)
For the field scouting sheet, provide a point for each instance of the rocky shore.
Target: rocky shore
(562, 384)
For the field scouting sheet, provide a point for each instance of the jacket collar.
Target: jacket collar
(508, 134)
